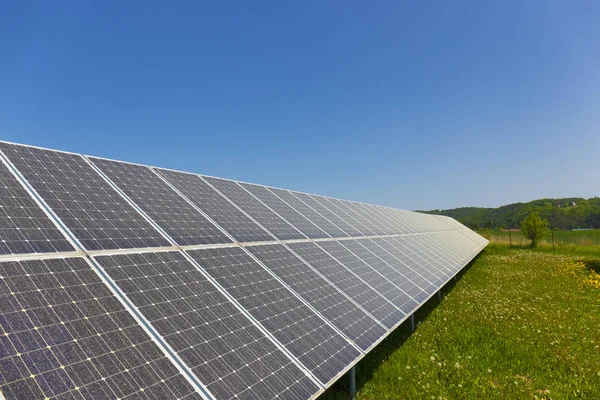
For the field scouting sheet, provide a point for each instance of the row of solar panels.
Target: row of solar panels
(195, 312)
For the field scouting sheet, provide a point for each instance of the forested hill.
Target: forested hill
(569, 213)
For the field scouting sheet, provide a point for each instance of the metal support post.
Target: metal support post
(352, 383)
(440, 295)
(412, 322)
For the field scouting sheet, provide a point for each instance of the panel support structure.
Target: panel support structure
(352, 375)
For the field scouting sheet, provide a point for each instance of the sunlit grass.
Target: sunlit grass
(519, 324)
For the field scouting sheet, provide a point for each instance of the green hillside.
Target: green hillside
(567, 213)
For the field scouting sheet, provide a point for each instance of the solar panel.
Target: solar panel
(24, 227)
(287, 212)
(92, 210)
(473, 236)
(63, 334)
(278, 316)
(225, 214)
(229, 355)
(406, 249)
(349, 283)
(309, 213)
(178, 218)
(304, 334)
(430, 252)
(336, 217)
(432, 243)
(396, 224)
(376, 279)
(373, 229)
(368, 212)
(253, 207)
(320, 294)
(387, 265)
(411, 269)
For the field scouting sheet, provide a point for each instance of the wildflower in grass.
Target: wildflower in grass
(489, 370)
(457, 365)
(432, 358)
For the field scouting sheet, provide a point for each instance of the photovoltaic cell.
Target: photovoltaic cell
(92, 210)
(64, 335)
(325, 298)
(377, 280)
(411, 269)
(228, 354)
(431, 254)
(376, 257)
(287, 212)
(346, 281)
(419, 270)
(253, 207)
(370, 227)
(337, 218)
(369, 213)
(24, 227)
(309, 213)
(178, 218)
(225, 214)
(451, 260)
(304, 334)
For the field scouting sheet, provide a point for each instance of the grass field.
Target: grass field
(574, 242)
(520, 323)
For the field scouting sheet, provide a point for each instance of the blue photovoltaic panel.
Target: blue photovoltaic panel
(64, 335)
(336, 217)
(253, 207)
(225, 214)
(425, 274)
(309, 213)
(376, 257)
(373, 275)
(93, 211)
(325, 298)
(430, 253)
(178, 218)
(370, 227)
(411, 269)
(282, 208)
(346, 281)
(228, 354)
(274, 315)
(436, 242)
(366, 212)
(304, 334)
(24, 227)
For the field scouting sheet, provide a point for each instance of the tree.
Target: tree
(534, 227)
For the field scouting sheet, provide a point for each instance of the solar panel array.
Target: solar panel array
(120, 280)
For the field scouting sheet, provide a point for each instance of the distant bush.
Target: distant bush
(534, 227)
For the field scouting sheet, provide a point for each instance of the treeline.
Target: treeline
(569, 213)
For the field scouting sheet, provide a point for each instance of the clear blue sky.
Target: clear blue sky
(418, 106)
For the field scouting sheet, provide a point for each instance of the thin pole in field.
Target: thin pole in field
(509, 238)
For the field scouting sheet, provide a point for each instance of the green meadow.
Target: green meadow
(519, 323)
